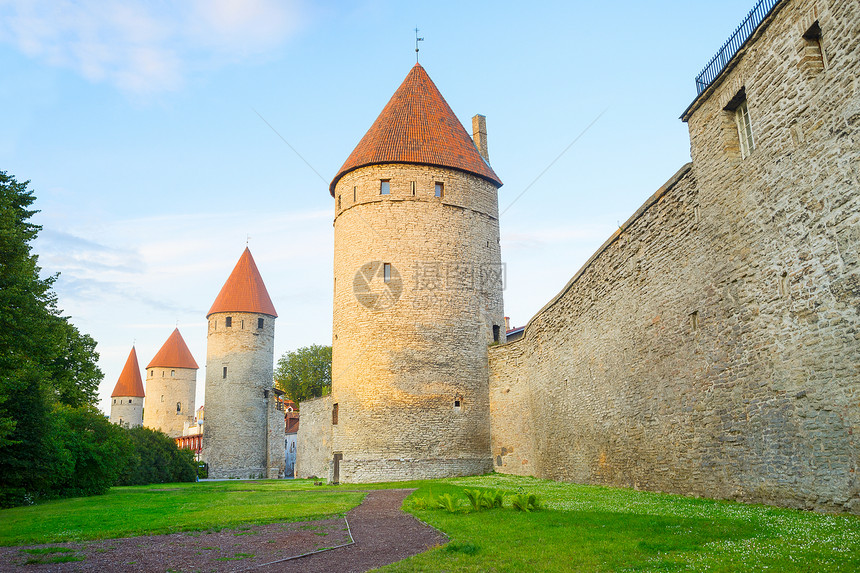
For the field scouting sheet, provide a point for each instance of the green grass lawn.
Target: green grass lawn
(581, 528)
(590, 528)
(166, 508)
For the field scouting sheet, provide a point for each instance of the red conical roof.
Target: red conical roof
(244, 291)
(418, 126)
(130, 383)
(174, 354)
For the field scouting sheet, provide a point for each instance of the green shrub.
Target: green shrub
(526, 502)
(156, 459)
(202, 470)
(447, 502)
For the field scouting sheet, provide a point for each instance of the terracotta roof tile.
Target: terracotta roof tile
(418, 126)
(244, 291)
(130, 382)
(174, 354)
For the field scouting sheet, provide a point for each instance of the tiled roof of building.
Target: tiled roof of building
(130, 382)
(418, 126)
(244, 291)
(173, 354)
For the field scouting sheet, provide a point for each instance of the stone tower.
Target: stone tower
(242, 437)
(126, 407)
(417, 294)
(171, 378)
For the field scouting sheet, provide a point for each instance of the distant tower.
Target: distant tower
(417, 294)
(126, 407)
(242, 437)
(171, 378)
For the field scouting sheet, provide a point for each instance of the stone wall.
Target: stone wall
(712, 346)
(314, 448)
(276, 440)
(165, 388)
(127, 411)
(235, 441)
(409, 366)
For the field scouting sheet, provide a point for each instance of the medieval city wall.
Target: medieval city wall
(235, 435)
(314, 447)
(170, 397)
(712, 346)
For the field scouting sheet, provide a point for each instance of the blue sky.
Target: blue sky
(141, 128)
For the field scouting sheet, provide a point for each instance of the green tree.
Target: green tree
(44, 360)
(305, 373)
(156, 459)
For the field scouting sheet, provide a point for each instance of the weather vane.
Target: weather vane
(247, 239)
(417, 39)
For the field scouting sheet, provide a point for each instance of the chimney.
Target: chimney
(507, 323)
(479, 135)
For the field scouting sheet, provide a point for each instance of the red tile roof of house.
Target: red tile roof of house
(418, 126)
(130, 383)
(174, 354)
(244, 291)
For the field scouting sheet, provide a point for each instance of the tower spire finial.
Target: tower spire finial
(417, 39)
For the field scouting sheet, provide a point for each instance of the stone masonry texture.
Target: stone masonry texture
(127, 411)
(409, 367)
(314, 453)
(170, 399)
(236, 431)
(711, 347)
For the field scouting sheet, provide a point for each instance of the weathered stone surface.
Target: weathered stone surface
(127, 411)
(170, 399)
(314, 447)
(712, 346)
(409, 362)
(239, 434)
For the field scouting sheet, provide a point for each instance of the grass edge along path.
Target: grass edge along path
(594, 528)
(170, 508)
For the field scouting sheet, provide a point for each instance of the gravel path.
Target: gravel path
(380, 534)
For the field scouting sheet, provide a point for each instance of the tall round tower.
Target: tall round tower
(239, 381)
(126, 408)
(171, 377)
(417, 294)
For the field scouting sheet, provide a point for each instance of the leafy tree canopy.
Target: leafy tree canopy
(305, 373)
(44, 360)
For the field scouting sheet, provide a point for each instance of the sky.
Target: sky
(161, 137)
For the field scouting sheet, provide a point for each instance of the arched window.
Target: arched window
(178, 407)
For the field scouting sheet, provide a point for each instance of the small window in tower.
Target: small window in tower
(162, 397)
(339, 204)
(353, 194)
(114, 400)
(386, 272)
(178, 407)
(495, 333)
(173, 373)
(439, 189)
(334, 414)
(413, 188)
(224, 373)
(385, 186)
(162, 373)
(228, 322)
(259, 323)
(152, 372)
(242, 325)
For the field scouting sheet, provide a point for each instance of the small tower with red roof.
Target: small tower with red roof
(242, 437)
(171, 377)
(126, 408)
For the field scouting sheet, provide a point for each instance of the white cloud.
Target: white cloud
(144, 47)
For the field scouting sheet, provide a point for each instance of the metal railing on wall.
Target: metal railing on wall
(734, 43)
